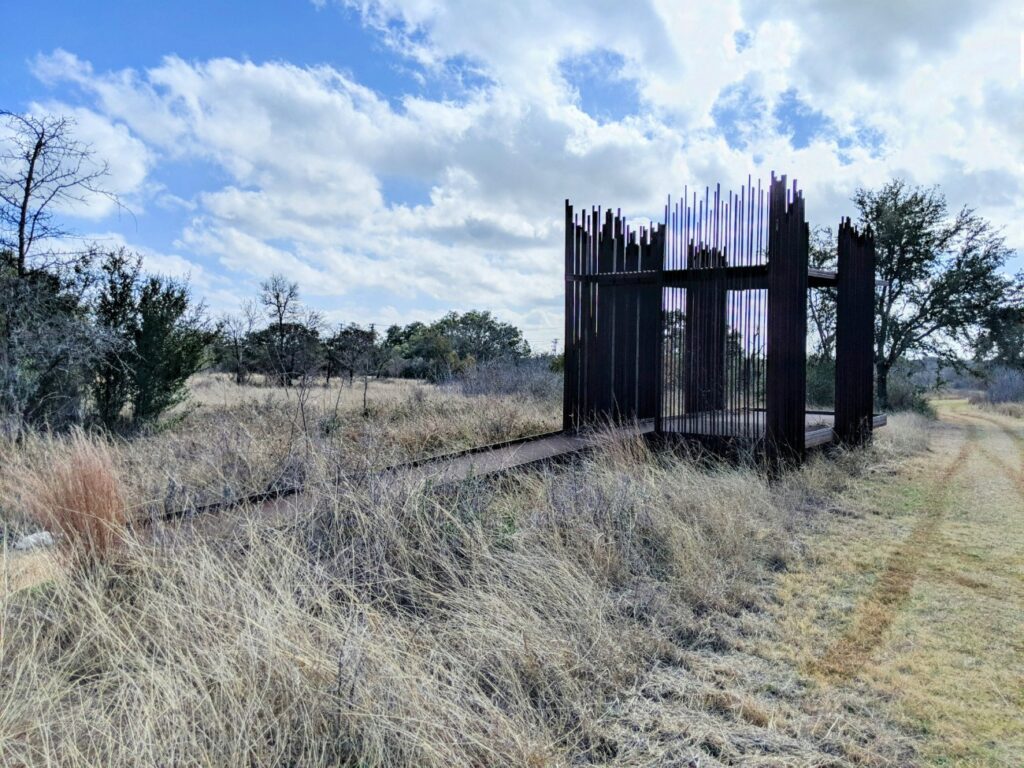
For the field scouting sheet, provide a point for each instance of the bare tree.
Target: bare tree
(821, 305)
(280, 299)
(42, 168)
(236, 331)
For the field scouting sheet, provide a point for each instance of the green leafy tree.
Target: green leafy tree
(286, 352)
(452, 344)
(157, 338)
(398, 335)
(1001, 341)
(481, 336)
(170, 345)
(429, 354)
(938, 275)
(349, 349)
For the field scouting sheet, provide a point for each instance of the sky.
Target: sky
(403, 158)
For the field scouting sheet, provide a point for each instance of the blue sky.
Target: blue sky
(401, 158)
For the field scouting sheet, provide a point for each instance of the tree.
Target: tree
(938, 276)
(42, 168)
(1001, 340)
(48, 345)
(347, 350)
(291, 343)
(156, 339)
(369, 357)
(481, 336)
(287, 352)
(398, 335)
(170, 345)
(821, 316)
(429, 354)
(234, 349)
(116, 312)
(821, 302)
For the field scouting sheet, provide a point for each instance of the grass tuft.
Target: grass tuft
(76, 493)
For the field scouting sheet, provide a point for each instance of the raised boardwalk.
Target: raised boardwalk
(520, 453)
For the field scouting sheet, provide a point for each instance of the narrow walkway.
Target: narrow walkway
(517, 455)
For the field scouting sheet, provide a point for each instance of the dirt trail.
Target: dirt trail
(917, 601)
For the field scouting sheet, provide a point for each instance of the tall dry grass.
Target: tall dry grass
(235, 441)
(73, 490)
(1013, 410)
(393, 623)
(375, 622)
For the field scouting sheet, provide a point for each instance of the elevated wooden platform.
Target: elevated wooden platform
(517, 454)
(750, 425)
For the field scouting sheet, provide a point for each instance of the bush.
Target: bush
(821, 382)
(906, 395)
(159, 340)
(1005, 385)
(531, 376)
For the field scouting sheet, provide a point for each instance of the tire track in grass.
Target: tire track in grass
(1014, 474)
(851, 652)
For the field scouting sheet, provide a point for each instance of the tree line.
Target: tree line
(86, 335)
(276, 336)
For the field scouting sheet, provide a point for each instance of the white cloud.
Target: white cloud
(307, 152)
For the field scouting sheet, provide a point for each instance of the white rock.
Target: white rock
(34, 541)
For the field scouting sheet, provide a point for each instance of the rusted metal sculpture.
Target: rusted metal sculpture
(700, 323)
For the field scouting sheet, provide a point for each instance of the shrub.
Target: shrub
(906, 395)
(1005, 385)
(531, 376)
(159, 338)
(821, 381)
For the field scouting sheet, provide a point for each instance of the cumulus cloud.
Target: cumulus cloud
(836, 94)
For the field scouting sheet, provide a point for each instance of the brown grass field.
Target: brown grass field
(624, 609)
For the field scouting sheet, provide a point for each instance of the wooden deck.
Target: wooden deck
(521, 453)
(750, 425)
(510, 456)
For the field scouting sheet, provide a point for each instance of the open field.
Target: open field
(231, 441)
(626, 609)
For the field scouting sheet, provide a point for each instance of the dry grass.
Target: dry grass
(590, 613)
(388, 625)
(76, 493)
(912, 598)
(233, 441)
(1013, 410)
